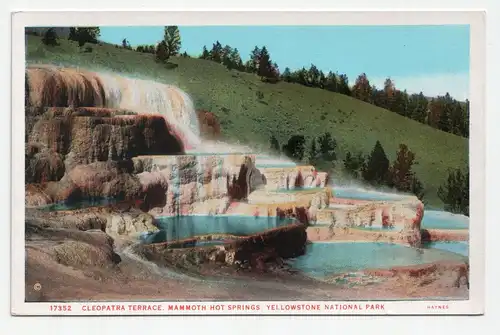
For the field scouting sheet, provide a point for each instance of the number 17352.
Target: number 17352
(60, 308)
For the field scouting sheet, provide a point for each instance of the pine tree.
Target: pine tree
(126, 44)
(350, 165)
(377, 166)
(343, 87)
(172, 38)
(50, 37)
(378, 97)
(313, 153)
(331, 82)
(458, 118)
(444, 122)
(435, 108)
(401, 175)
(389, 94)
(362, 89)
(248, 67)
(313, 76)
(254, 62)
(274, 144)
(301, 77)
(465, 129)
(417, 188)
(235, 59)
(73, 36)
(94, 33)
(354, 164)
(226, 57)
(322, 80)
(418, 105)
(162, 53)
(84, 35)
(455, 192)
(400, 104)
(275, 72)
(205, 54)
(295, 147)
(287, 75)
(327, 147)
(216, 52)
(264, 68)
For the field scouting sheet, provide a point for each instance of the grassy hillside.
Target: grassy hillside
(284, 110)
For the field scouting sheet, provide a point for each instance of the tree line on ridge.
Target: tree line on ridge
(376, 170)
(442, 112)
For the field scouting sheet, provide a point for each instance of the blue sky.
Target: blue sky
(432, 59)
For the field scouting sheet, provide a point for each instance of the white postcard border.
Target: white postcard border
(477, 144)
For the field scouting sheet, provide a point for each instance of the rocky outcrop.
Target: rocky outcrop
(290, 178)
(434, 235)
(68, 252)
(285, 242)
(256, 250)
(130, 224)
(302, 204)
(106, 179)
(404, 216)
(86, 152)
(49, 86)
(42, 164)
(249, 179)
(199, 184)
(96, 180)
(84, 135)
(121, 220)
(86, 219)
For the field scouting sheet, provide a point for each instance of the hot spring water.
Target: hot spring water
(329, 258)
(432, 219)
(185, 227)
(363, 194)
(148, 97)
(444, 220)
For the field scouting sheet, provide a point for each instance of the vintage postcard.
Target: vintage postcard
(180, 163)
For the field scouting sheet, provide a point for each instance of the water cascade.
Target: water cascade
(275, 191)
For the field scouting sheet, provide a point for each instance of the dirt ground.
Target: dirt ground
(89, 266)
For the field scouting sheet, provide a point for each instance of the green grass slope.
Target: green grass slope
(284, 110)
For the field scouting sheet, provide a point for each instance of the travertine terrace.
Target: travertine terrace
(139, 144)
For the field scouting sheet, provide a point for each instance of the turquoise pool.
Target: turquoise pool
(434, 220)
(274, 165)
(300, 189)
(184, 227)
(196, 243)
(324, 259)
(458, 247)
(444, 220)
(358, 194)
(67, 206)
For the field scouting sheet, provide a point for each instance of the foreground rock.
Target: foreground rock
(119, 221)
(399, 219)
(252, 251)
(92, 181)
